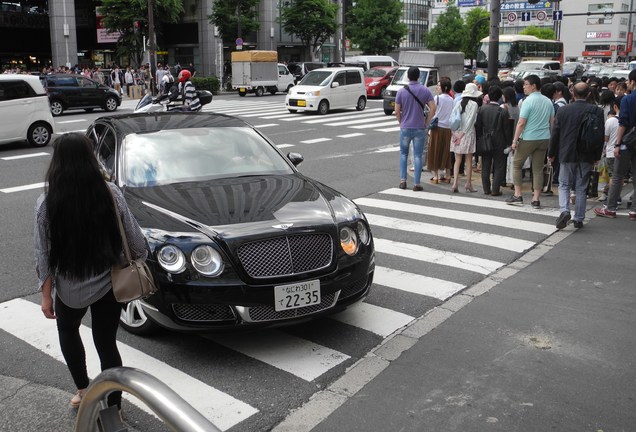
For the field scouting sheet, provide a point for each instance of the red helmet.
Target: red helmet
(184, 75)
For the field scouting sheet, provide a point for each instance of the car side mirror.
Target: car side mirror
(295, 158)
(335, 84)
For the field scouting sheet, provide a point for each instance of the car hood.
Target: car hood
(302, 89)
(235, 207)
(369, 80)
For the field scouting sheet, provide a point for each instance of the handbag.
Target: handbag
(629, 140)
(485, 144)
(592, 186)
(132, 280)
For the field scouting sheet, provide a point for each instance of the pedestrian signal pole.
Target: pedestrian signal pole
(493, 40)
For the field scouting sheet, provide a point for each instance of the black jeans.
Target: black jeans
(495, 163)
(105, 321)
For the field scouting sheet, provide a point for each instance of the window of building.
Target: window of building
(622, 35)
(624, 21)
(599, 21)
(600, 7)
(597, 47)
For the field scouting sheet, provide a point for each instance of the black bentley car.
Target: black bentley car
(237, 237)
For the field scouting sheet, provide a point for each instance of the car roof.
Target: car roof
(334, 69)
(33, 80)
(152, 122)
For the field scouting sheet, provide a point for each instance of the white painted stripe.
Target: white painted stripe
(465, 200)
(393, 129)
(247, 110)
(351, 135)
(375, 319)
(356, 120)
(469, 236)
(23, 188)
(416, 284)
(299, 357)
(71, 121)
(266, 125)
(282, 112)
(284, 145)
(387, 150)
(24, 320)
(435, 256)
(366, 126)
(487, 219)
(281, 116)
(331, 117)
(69, 131)
(317, 140)
(24, 156)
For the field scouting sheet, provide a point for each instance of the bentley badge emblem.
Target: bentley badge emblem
(283, 226)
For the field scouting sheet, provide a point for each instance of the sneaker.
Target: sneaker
(578, 224)
(402, 185)
(605, 212)
(418, 188)
(632, 216)
(536, 204)
(515, 200)
(562, 220)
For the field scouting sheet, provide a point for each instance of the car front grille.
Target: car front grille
(203, 312)
(268, 313)
(287, 255)
(355, 288)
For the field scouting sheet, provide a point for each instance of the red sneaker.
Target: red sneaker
(632, 216)
(605, 212)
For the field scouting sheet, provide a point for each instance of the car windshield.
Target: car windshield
(569, 67)
(316, 78)
(185, 155)
(375, 73)
(594, 68)
(401, 77)
(529, 66)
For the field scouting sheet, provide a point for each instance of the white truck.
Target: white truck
(432, 65)
(259, 71)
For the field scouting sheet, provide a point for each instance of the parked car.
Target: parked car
(299, 70)
(377, 79)
(371, 61)
(573, 70)
(69, 92)
(328, 88)
(553, 66)
(236, 236)
(592, 70)
(24, 110)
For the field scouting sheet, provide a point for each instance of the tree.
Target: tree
(225, 18)
(478, 27)
(540, 32)
(450, 32)
(121, 15)
(374, 25)
(312, 21)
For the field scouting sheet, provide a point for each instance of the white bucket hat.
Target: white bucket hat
(471, 91)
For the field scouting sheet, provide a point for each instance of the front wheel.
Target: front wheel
(110, 104)
(362, 103)
(57, 108)
(323, 107)
(388, 111)
(242, 94)
(259, 91)
(293, 111)
(134, 320)
(289, 87)
(39, 134)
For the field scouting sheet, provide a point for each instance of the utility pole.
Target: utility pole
(493, 42)
(152, 46)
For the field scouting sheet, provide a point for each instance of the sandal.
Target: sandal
(76, 400)
(445, 180)
(434, 180)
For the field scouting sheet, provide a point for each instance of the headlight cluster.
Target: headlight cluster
(351, 238)
(205, 259)
(313, 93)
(374, 83)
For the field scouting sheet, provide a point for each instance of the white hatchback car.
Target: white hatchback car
(25, 112)
(325, 89)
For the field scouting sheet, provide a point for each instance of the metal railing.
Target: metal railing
(172, 409)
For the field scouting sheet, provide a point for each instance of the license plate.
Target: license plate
(242, 90)
(392, 104)
(302, 103)
(296, 295)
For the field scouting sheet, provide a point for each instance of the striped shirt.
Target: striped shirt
(190, 97)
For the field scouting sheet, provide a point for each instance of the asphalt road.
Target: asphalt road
(430, 246)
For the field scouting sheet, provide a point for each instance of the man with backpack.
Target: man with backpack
(577, 140)
(624, 154)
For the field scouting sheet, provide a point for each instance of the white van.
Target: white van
(428, 77)
(328, 88)
(373, 60)
(25, 112)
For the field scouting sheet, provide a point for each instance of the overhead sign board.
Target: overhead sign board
(526, 6)
(468, 3)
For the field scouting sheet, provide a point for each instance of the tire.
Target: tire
(382, 92)
(39, 134)
(289, 87)
(57, 108)
(388, 111)
(293, 111)
(259, 91)
(323, 107)
(110, 104)
(89, 110)
(242, 94)
(273, 90)
(362, 103)
(133, 319)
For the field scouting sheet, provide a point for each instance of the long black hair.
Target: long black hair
(83, 233)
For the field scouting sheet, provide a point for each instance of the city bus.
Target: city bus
(514, 49)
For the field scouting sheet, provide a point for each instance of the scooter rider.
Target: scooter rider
(188, 92)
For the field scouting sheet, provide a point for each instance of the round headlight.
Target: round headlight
(363, 232)
(207, 261)
(171, 259)
(348, 241)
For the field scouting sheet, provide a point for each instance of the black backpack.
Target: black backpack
(591, 137)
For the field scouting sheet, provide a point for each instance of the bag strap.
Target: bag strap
(122, 233)
(415, 97)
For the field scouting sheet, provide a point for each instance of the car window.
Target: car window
(17, 89)
(68, 81)
(400, 77)
(316, 78)
(106, 151)
(379, 63)
(353, 77)
(375, 73)
(340, 78)
(282, 70)
(432, 78)
(183, 155)
(85, 82)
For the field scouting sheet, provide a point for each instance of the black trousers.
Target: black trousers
(105, 321)
(494, 163)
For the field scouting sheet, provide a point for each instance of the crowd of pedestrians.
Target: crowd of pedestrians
(512, 129)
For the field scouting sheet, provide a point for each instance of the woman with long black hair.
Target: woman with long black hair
(76, 243)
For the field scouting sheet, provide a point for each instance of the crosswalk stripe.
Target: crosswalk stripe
(388, 149)
(266, 125)
(316, 140)
(376, 319)
(390, 123)
(355, 120)
(24, 320)
(481, 202)
(331, 117)
(436, 256)
(487, 219)
(284, 145)
(280, 113)
(416, 284)
(470, 236)
(391, 129)
(30, 155)
(281, 116)
(351, 135)
(23, 188)
(299, 357)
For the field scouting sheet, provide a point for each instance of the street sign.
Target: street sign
(239, 41)
(512, 17)
(557, 15)
(541, 15)
(525, 16)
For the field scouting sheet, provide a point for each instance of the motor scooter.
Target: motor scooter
(169, 101)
